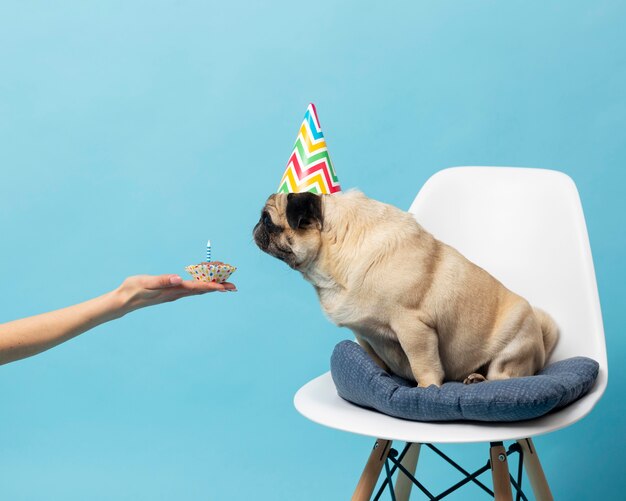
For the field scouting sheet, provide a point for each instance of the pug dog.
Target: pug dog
(416, 305)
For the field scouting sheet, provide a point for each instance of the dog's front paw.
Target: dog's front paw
(474, 378)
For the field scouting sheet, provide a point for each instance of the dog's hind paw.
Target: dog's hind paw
(474, 378)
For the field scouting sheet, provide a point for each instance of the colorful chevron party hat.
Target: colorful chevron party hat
(309, 167)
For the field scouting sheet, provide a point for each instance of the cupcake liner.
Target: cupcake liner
(209, 272)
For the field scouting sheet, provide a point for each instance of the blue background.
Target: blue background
(131, 131)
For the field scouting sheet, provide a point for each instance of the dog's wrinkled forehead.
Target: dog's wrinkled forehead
(297, 211)
(276, 205)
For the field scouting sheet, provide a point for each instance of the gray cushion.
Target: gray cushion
(360, 380)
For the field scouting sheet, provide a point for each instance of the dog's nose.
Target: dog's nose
(261, 237)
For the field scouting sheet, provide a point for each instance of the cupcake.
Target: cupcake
(214, 271)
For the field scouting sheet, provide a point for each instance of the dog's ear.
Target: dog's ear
(304, 210)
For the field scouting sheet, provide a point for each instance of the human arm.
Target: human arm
(29, 336)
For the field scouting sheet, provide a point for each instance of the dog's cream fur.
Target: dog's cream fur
(415, 304)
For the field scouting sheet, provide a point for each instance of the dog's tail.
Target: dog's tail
(549, 329)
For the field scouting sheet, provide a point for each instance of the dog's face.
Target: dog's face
(290, 228)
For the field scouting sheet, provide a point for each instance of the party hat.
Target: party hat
(309, 167)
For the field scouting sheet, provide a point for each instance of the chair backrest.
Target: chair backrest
(526, 227)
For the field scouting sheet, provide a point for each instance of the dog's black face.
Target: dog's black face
(289, 228)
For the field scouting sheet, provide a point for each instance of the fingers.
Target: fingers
(197, 286)
(155, 282)
(175, 280)
(161, 281)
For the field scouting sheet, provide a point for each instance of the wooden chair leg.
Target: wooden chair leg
(371, 472)
(500, 472)
(537, 478)
(403, 483)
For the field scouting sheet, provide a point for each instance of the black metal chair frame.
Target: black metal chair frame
(396, 459)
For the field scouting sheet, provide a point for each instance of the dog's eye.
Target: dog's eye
(266, 220)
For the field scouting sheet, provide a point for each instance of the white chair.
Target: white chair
(527, 228)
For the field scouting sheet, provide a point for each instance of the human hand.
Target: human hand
(147, 290)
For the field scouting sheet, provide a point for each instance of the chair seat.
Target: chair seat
(318, 401)
(361, 381)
